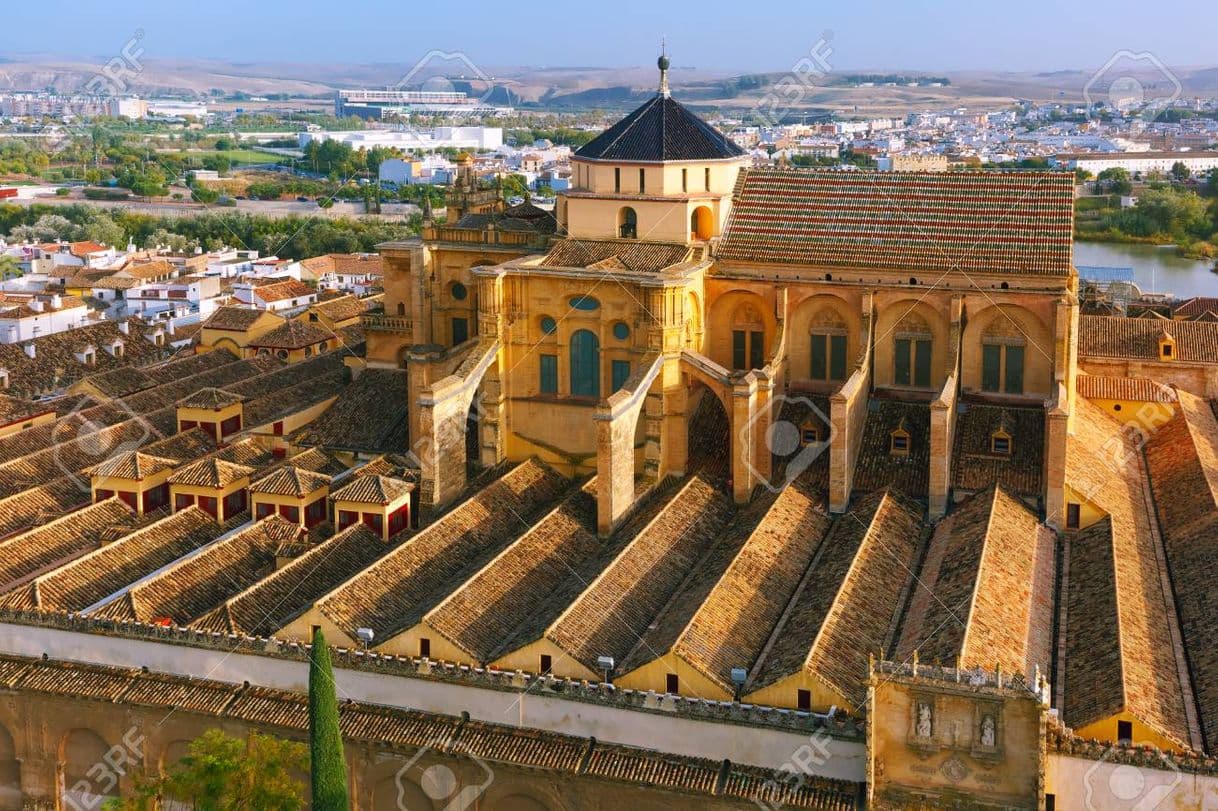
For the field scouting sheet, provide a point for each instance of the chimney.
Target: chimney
(36, 305)
(124, 328)
(31, 350)
(170, 328)
(56, 301)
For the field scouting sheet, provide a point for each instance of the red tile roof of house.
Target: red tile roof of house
(975, 222)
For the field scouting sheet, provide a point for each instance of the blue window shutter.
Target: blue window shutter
(837, 357)
(549, 374)
(621, 372)
(585, 364)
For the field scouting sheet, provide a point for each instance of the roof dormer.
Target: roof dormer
(1001, 443)
(899, 440)
(1167, 346)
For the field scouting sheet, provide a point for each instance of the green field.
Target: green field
(234, 155)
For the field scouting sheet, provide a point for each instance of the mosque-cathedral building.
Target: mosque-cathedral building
(715, 487)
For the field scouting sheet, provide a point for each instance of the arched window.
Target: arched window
(828, 351)
(585, 364)
(748, 338)
(912, 353)
(627, 223)
(702, 223)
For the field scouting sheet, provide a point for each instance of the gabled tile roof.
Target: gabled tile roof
(198, 583)
(130, 465)
(982, 597)
(974, 222)
(281, 291)
(373, 489)
(14, 410)
(661, 129)
(237, 319)
(877, 467)
(485, 610)
(615, 609)
(293, 335)
(274, 601)
(1118, 639)
(368, 417)
(1101, 387)
(211, 472)
(87, 580)
(1182, 456)
(845, 607)
(731, 625)
(628, 255)
(1112, 336)
(210, 399)
(1195, 307)
(397, 591)
(58, 541)
(290, 481)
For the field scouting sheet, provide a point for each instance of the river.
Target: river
(1156, 270)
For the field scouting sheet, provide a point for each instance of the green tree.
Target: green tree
(1180, 172)
(8, 267)
(515, 186)
(223, 773)
(1115, 180)
(329, 769)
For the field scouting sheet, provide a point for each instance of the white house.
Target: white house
(23, 317)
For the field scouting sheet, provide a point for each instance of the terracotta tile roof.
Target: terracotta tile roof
(1111, 336)
(290, 481)
(488, 607)
(211, 399)
(844, 609)
(14, 410)
(237, 319)
(281, 291)
(731, 626)
(87, 580)
(395, 593)
(976, 222)
(130, 465)
(351, 264)
(274, 601)
(984, 594)
(343, 308)
(976, 467)
(121, 382)
(37, 505)
(293, 335)
(1101, 387)
(616, 608)
(373, 489)
(1118, 641)
(629, 255)
(210, 472)
(56, 366)
(198, 583)
(1195, 307)
(1182, 456)
(388, 729)
(877, 467)
(58, 541)
(367, 417)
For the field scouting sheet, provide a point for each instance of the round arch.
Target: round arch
(823, 314)
(10, 773)
(1009, 325)
(912, 320)
(702, 223)
(740, 311)
(627, 223)
(693, 321)
(80, 750)
(585, 364)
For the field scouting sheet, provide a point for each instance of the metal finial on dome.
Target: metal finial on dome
(662, 63)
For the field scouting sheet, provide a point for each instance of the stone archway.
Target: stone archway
(10, 773)
(702, 223)
(85, 779)
(998, 333)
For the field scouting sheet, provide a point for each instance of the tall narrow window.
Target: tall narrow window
(911, 362)
(756, 349)
(991, 367)
(617, 179)
(549, 374)
(620, 373)
(739, 348)
(1073, 516)
(546, 663)
(672, 684)
(585, 364)
(684, 180)
(1013, 373)
(803, 700)
(642, 181)
(706, 178)
(1002, 367)
(460, 331)
(828, 356)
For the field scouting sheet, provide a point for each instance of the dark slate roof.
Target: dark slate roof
(660, 130)
(975, 222)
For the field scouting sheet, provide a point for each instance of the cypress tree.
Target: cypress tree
(329, 768)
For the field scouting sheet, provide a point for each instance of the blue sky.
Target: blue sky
(948, 35)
